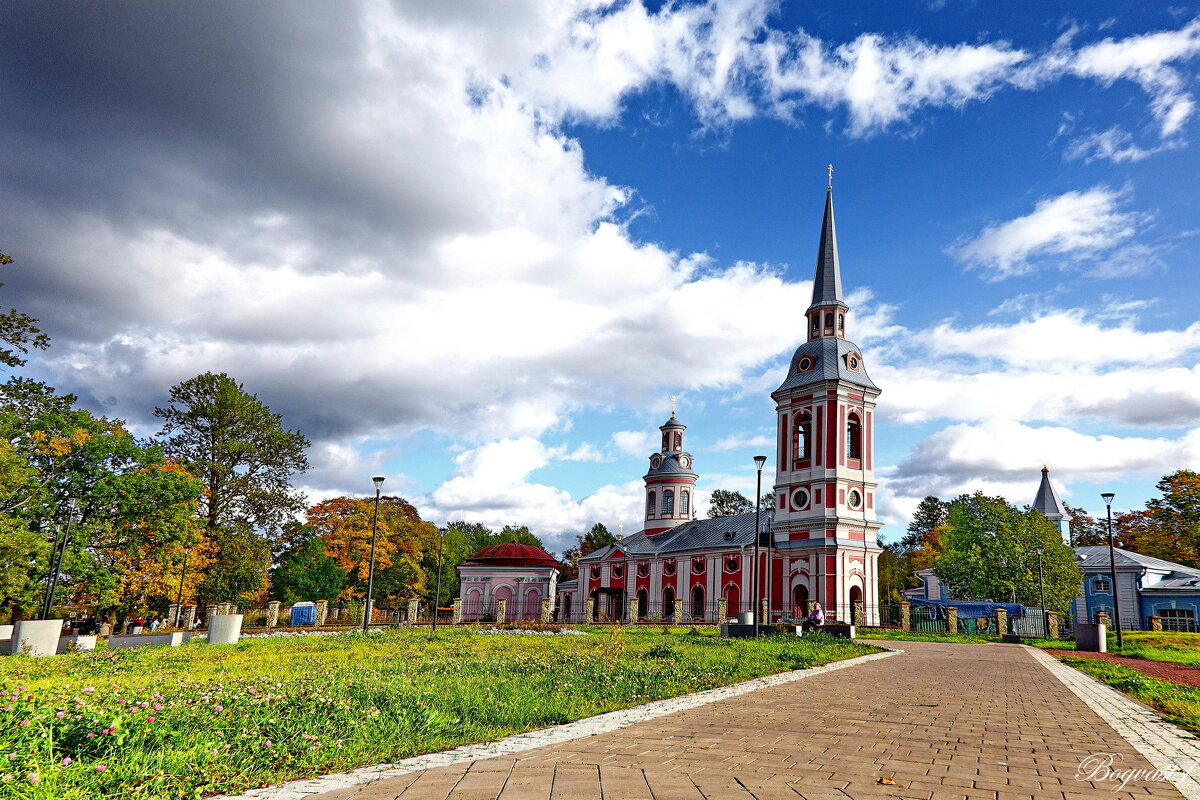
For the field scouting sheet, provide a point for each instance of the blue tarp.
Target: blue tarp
(970, 609)
(304, 613)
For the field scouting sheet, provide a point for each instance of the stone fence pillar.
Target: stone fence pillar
(414, 611)
(721, 609)
(1156, 623)
(1001, 622)
(545, 609)
(502, 610)
(951, 619)
(1051, 624)
(320, 613)
(856, 612)
(272, 614)
(589, 614)
(189, 617)
(905, 616)
(456, 619)
(764, 611)
(633, 609)
(678, 610)
(173, 615)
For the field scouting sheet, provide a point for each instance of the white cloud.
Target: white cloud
(740, 442)
(1076, 227)
(636, 443)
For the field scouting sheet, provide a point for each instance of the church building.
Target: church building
(818, 542)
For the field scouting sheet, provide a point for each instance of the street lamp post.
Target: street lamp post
(179, 594)
(1042, 596)
(378, 481)
(1112, 570)
(756, 595)
(56, 558)
(437, 598)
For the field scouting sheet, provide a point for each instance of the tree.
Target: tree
(305, 571)
(1177, 514)
(724, 503)
(598, 537)
(240, 451)
(991, 553)
(1086, 530)
(929, 515)
(18, 333)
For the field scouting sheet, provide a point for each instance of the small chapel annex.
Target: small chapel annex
(819, 541)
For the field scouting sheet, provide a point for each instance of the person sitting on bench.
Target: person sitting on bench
(816, 618)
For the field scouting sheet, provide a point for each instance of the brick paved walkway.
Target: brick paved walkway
(944, 721)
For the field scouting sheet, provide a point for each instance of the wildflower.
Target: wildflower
(91, 736)
(100, 768)
(149, 719)
(6, 777)
(108, 731)
(158, 706)
(60, 715)
(34, 778)
(218, 708)
(88, 689)
(66, 762)
(270, 743)
(24, 722)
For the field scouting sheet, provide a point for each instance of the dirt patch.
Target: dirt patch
(1164, 670)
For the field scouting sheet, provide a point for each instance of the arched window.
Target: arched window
(731, 600)
(841, 323)
(668, 603)
(802, 437)
(816, 324)
(677, 441)
(685, 499)
(698, 604)
(829, 321)
(853, 437)
(668, 504)
(665, 440)
(566, 608)
(651, 499)
(641, 603)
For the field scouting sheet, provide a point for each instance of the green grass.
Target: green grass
(196, 720)
(1179, 704)
(1177, 648)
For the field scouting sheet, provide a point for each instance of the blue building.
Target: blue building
(1146, 586)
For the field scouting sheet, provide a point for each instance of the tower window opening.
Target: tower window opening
(841, 323)
(816, 324)
(829, 321)
(853, 437)
(677, 441)
(668, 501)
(665, 441)
(685, 498)
(650, 501)
(802, 438)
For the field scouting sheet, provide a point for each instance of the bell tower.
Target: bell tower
(670, 483)
(824, 527)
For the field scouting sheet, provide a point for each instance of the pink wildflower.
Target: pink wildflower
(158, 706)
(108, 731)
(87, 689)
(270, 743)
(34, 778)
(215, 708)
(91, 736)
(66, 762)
(60, 715)
(100, 768)
(6, 777)
(149, 719)
(24, 722)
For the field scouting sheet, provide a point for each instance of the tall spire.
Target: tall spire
(827, 285)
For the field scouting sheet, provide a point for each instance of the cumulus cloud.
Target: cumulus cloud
(1078, 227)
(1004, 457)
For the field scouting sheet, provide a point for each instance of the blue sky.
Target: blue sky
(477, 247)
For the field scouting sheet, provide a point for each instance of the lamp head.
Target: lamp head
(1108, 497)
(378, 481)
(759, 461)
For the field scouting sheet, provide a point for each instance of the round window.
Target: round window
(698, 566)
(804, 364)
(618, 572)
(731, 565)
(643, 569)
(595, 572)
(853, 362)
(669, 567)
(654, 462)
(799, 499)
(685, 462)
(854, 498)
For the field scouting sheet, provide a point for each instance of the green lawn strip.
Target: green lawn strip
(1180, 704)
(198, 720)
(1176, 648)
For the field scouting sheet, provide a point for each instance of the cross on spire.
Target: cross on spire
(672, 405)
(829, 168)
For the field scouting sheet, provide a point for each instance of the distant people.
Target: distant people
(815, 619)
(154, 623)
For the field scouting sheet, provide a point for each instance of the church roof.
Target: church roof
(1096, 556)
(699, 534)
(827, 283)
(1047, 501)
(830, 357)
(670, 465)
(511, 554)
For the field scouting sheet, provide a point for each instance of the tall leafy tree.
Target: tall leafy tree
(240, 451)
(991, 553)
(1177, 514)
(18, 333)
(724, 503)
(305, 571)
(596, 538)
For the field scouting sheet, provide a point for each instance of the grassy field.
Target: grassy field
(1180, 704)
(1179, 648)
(196, 720)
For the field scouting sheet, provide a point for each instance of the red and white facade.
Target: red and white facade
(817, 544)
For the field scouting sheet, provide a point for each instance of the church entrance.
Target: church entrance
(799, 601)
(609, 606)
